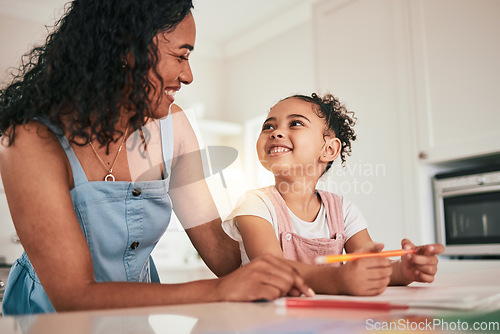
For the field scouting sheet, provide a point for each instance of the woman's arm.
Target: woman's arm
(36, 177)
(361, 277)
(193, 203)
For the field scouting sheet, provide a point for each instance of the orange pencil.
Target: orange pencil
(354, 256)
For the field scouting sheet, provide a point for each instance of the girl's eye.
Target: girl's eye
(296, 123)
(267, 127)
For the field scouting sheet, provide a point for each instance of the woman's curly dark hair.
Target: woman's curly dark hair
(80, 79)
(337, 119)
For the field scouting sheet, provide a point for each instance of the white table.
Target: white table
(254, 317)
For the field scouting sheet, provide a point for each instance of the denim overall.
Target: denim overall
(122, 222)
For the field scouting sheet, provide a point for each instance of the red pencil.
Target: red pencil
(344, 304)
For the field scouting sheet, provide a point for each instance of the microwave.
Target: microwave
(467, 212)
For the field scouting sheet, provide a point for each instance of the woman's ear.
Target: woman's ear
(331, 149)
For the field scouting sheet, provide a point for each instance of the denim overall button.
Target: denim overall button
(134, 245)
(288, 236)
(136, 191)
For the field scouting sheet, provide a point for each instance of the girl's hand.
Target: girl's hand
(266, 277)
(420, 266)
(366, 277)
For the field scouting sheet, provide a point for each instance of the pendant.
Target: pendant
(109, 177)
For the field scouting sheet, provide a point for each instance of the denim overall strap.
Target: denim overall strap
(167, 146)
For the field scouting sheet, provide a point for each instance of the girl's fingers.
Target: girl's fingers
(423, 277)
(430, 250)
(376, 288)
(430, 270)
(423, 260)
(407, 244)
(379, 274)
(373, 263)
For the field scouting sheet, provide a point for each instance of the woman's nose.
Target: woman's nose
(186, 75)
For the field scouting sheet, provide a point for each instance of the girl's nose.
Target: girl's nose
(277, 134)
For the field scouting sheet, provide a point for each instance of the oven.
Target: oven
(467, 211)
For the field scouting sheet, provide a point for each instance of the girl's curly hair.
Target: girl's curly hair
(80, 80)
(337, 119)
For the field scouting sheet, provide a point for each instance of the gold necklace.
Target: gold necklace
(110, 176)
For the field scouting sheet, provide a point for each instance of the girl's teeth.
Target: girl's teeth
(279, 149)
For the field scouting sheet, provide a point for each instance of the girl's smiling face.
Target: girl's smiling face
(293, 136)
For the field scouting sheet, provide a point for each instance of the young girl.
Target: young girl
(299, 140)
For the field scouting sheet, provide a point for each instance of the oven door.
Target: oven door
(469, 221)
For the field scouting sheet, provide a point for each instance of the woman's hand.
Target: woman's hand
(366, 277)
(420, 266)
(266, 277)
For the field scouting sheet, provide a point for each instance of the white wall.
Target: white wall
(205, 89)
(356, 45)
(17, 36)
(275, 69)
(285, 65)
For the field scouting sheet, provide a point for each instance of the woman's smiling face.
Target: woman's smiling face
(174, 48)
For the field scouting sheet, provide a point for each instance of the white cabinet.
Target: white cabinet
(456, 46)
(359, 49)
(423, 79)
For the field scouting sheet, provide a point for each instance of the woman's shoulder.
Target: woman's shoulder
(174, 108)
(25, 137)
(32, 146)
(185, 140)
(179, 118)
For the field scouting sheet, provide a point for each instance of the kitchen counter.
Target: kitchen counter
(267, 317)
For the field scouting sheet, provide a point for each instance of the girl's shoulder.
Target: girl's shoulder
(254, 199)
(252, 194)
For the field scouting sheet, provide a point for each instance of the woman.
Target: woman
(109, 73)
